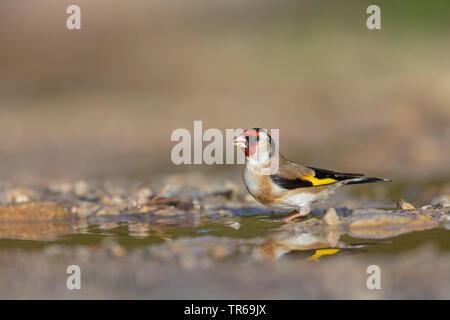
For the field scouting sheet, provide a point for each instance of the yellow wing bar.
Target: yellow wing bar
(318, 182)
(323, 252)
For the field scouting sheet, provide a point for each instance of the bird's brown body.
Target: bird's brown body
(292, 187)
(262, 188)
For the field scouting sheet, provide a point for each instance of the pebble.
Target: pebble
(169, 212)
(84, 192)
(331, 218)
(140, 198)
(406, 206)
(235, 225)
(81, 189)
(108, 226)
(20, 195)
(108, 212)
(85, 210)
(33, 211)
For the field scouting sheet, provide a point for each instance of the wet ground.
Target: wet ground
(172, 240)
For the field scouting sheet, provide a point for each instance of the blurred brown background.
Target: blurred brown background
(102, 101)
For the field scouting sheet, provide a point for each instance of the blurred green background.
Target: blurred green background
(103, 101)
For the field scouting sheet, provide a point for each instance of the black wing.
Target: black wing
(320, 177)
(339, 176)
(290, 184)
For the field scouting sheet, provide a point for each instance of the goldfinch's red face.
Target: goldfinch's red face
(253, 140)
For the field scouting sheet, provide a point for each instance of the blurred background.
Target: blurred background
(103, 101)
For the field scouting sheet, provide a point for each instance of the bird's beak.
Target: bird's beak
(240, 141)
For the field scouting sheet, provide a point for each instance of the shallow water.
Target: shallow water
(224, 218)
(252, 229)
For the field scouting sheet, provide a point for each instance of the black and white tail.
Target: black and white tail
(365, 180)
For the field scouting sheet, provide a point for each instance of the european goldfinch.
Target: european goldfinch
(291, 187)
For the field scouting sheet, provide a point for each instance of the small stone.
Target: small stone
(406, 206)
(85, 193)
(108, 212)
(85, 210)
(33, 211)
(140, 198)
(108, 226)
(117, 200)
(82, 226)
(169, 212)
(196, 204)
(81, 189)
(331, 218)
(21, 195)
(235, 225)
(223, 212)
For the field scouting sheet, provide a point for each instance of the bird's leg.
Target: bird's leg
(291, 216)
(303, 211)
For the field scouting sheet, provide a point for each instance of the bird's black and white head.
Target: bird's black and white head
(257, 143)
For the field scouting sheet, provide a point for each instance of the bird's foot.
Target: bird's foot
(296, 214)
